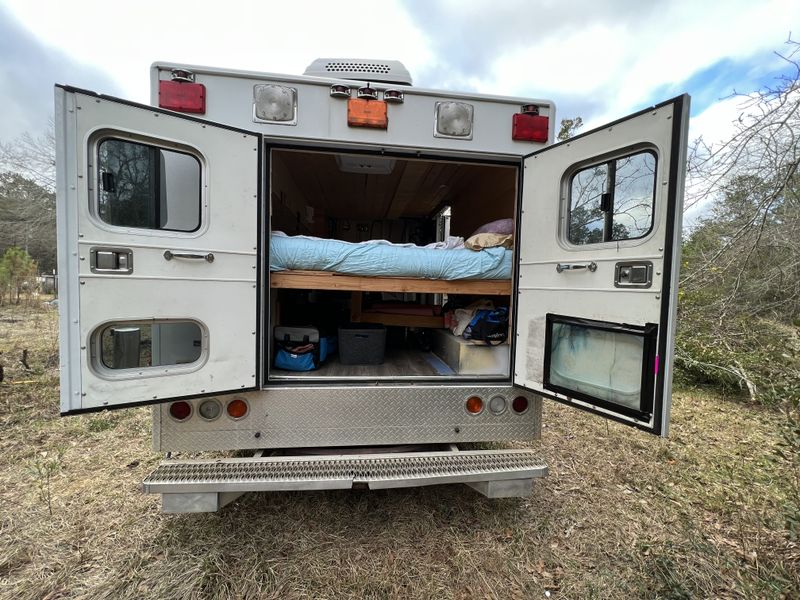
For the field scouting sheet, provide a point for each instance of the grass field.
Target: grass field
(621, 515)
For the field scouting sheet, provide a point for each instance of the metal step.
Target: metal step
(377, 471)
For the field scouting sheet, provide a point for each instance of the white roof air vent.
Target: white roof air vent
(385, 71)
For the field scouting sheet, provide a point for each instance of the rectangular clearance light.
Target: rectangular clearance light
(367, 113)
(183, 96)
(274, 104)
(453, 120)
(529, 126)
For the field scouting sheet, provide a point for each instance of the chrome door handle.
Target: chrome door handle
(111, 260)
(169, 255)
(591, 266)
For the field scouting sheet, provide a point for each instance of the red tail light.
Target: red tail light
(520, 404)
(529, 125)
(183, 96)
(180, 411)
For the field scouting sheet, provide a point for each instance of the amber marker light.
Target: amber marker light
(237, 408)
(367, 113)
(474, 405)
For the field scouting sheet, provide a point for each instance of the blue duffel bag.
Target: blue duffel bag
(301, 348)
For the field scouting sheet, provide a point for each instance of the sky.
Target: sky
(596, 60)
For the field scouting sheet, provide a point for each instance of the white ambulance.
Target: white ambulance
(287, 268)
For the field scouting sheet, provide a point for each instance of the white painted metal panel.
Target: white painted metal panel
(321, 118)
(220, 295)
(590, 294)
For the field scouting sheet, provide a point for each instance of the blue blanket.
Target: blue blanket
(375, 259)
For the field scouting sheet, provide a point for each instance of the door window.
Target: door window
(144, 186)
(135, 345)
(603, 363)
(613, 200)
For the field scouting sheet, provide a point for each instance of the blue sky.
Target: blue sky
(597, 60)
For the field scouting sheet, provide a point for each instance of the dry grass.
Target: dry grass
(622, 514)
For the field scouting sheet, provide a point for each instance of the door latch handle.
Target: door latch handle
(111, 260)
(208, 256)
(591, 266)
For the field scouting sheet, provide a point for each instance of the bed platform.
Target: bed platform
(322, 280)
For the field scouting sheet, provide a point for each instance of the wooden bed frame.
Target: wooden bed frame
(324, 280)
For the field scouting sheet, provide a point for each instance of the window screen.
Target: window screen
(147, 187)
(606, 364)
(138, 345)
(613, 200)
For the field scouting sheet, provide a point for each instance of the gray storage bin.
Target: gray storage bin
(362, 344)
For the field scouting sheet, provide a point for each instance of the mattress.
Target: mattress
(378, 258)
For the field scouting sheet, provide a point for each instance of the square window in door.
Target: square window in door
(147, 187)
(609, 365)
(612, 200)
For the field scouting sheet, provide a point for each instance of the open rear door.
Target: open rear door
(158, 253)
(599, 250)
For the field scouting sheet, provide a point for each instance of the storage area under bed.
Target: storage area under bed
(348, 252)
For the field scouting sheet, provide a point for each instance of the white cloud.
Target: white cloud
(125, 38)
(597, 60)
(609, 57)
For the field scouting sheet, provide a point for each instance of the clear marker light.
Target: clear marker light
(454, 119)
(210, 409)
(274, 104)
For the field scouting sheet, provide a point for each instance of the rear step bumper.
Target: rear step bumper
(207, 485)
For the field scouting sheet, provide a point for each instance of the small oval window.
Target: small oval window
(147, 187)
(134, 345)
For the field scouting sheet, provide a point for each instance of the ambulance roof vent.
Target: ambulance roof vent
(360, 69)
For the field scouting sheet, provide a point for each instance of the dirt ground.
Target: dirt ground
(621, 515)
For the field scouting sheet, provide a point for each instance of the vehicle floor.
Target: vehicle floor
(397, 362)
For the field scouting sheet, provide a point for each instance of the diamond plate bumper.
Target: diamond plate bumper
(377, 471)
